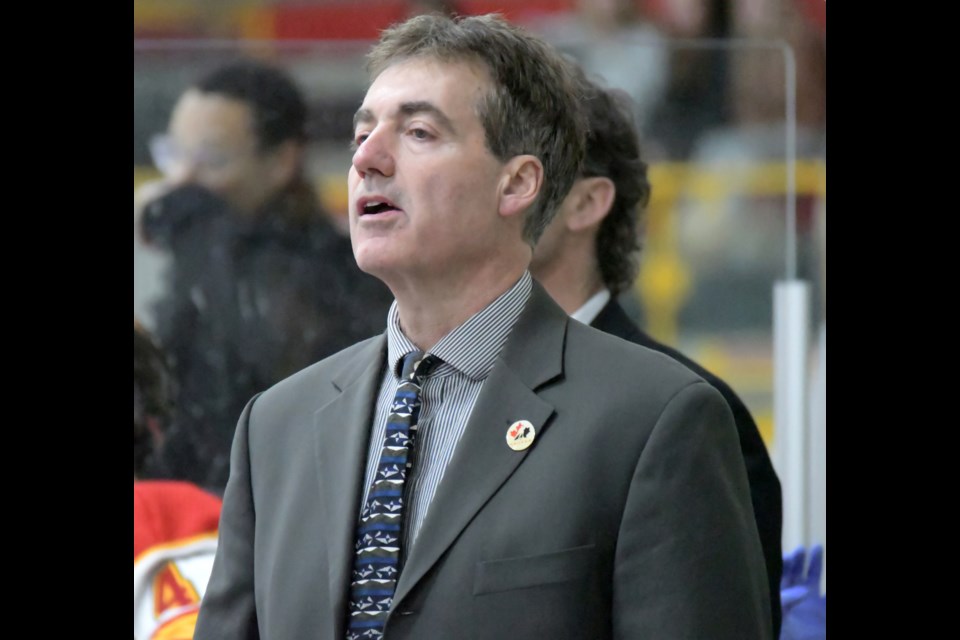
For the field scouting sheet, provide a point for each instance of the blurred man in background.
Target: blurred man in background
(261, 284)
(588, 255)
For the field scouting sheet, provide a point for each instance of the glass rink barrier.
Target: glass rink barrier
(731, 114)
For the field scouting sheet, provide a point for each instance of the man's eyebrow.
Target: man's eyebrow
(424, 107)
(362, 115)
(408, 109)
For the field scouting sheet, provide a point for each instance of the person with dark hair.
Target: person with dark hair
(592, 243)
(261, 284)
(152, 398)
(588, 256)
(174, 523)
(486, 468)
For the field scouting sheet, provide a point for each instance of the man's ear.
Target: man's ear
(285, 163)
(593, 198)
(520, 185)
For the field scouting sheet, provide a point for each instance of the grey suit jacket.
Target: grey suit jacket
(628, 517)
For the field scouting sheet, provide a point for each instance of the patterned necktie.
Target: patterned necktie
(377, 565)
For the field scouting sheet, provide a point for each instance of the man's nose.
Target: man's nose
(375, 154)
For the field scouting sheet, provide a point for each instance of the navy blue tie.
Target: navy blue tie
(376, 567)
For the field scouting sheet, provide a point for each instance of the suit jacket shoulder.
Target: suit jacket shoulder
(765, 490)
(622, 366)
(322, 380)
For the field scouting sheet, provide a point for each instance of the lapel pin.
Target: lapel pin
(520, 435)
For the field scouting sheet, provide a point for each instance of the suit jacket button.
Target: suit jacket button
(405, 612)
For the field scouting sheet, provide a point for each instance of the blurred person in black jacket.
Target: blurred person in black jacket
(261, 284)
(588, 254)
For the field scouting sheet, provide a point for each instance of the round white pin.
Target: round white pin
(520, 435)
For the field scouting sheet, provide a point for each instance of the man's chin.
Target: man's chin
(373, 260)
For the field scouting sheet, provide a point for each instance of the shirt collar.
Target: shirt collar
(592, 307)
(473, 347)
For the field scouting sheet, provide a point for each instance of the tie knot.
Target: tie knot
(417, 366)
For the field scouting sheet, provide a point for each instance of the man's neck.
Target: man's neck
(571, 281)
(429, 311)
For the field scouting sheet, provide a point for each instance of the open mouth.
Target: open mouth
(377, 207)
(373, 206)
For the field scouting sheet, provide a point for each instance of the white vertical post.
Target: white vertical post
(791, 305)
(818, 452)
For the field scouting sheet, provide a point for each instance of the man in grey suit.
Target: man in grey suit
(561, 483)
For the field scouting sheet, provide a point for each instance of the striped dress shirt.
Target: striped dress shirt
(447, 395)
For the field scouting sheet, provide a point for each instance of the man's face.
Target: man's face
(212, 143)
(424, 188)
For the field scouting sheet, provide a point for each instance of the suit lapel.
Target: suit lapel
(342, 433)
(483, 462)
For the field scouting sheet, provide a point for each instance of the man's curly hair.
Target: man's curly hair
(613, 151)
